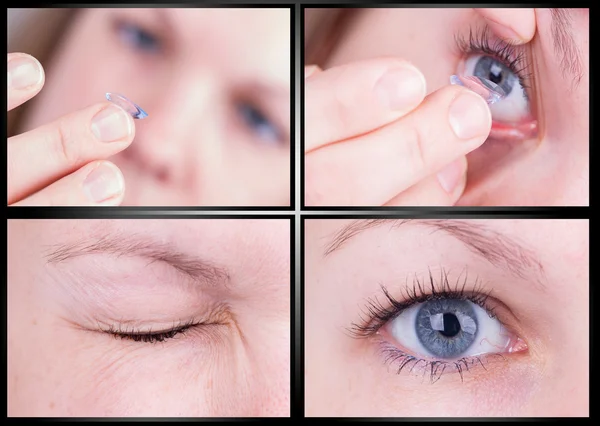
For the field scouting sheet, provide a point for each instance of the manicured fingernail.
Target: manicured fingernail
(112, 124)
(24, 72)
(401, 88)
(452, 176)
(470, 116)
(104, 182)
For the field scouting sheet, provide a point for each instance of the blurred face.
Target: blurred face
(445, 318)
(149, 318)
(216, 89)
(547, 82)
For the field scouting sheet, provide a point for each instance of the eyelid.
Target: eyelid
(126, 20)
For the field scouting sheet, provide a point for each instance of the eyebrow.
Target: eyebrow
(496, 248)
(565, 48)
(199, 270)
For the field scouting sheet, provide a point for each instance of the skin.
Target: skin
(59, 366)
(413, 153)
(195, 148)
(347, 376)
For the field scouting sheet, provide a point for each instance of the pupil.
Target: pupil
(496, 78)
(451, 325)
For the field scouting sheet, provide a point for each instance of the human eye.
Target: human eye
(258, 123)
(147, 335)
(438, 327)
(137, 37)
(506, 66)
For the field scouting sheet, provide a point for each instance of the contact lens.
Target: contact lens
(127, 105)
(487, 89)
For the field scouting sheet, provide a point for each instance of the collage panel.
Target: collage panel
(149, 318)
(453, 106)
(291, 210)
(446, 317)
(151, 106)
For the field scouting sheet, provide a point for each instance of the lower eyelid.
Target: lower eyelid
(400, 362)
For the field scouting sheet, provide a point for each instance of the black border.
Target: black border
(291, 6)
(440, 215)
(314, 4)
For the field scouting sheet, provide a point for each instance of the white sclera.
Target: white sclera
(492, 337)
(127, 105)
(487, 89)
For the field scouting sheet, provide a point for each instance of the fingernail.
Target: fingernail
(452, 176)
(104, 182)
(310, 70)
(111, 124)
(505, 33)
(470, 116)
(24, 72)
(401, 88)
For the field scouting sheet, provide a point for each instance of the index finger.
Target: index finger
(515, 26)
(43, 155)
(354, 99)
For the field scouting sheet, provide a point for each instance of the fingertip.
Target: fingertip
(401, 88)
(310, 70)
(104, 183)
(514, 26)
(453, 178)
(112, 123)
(25, 78)
(469, 116)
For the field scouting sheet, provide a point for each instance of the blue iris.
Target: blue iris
(259, 123)
(495, 71)
(139, 38)
(446, 327)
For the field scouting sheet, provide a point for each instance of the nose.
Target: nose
(179, 130)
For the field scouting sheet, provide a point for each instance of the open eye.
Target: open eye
(514, 108)
(448, 329)
(138, 38)
(258, 123)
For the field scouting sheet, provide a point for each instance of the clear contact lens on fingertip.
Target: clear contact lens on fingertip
(487, 89)
(135, 110)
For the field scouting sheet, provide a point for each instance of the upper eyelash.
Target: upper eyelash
(150, 336)
(379, 314)
(482, 42)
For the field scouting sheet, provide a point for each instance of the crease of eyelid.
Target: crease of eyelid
(198, 270)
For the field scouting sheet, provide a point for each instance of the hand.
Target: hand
(61, 163)
(373, 138)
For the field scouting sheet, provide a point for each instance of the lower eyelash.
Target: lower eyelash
(149, 336)
(435, 368)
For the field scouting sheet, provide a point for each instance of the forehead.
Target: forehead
(243, 40)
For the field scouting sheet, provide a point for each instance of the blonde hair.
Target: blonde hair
(36, 32)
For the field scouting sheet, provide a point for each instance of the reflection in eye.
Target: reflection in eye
(258, 123)
(439, 329)
(138, 38)
(515, 105)
(449, 329)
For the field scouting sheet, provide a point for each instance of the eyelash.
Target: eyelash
(483, 43)
(379, 314)
(149, 336)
